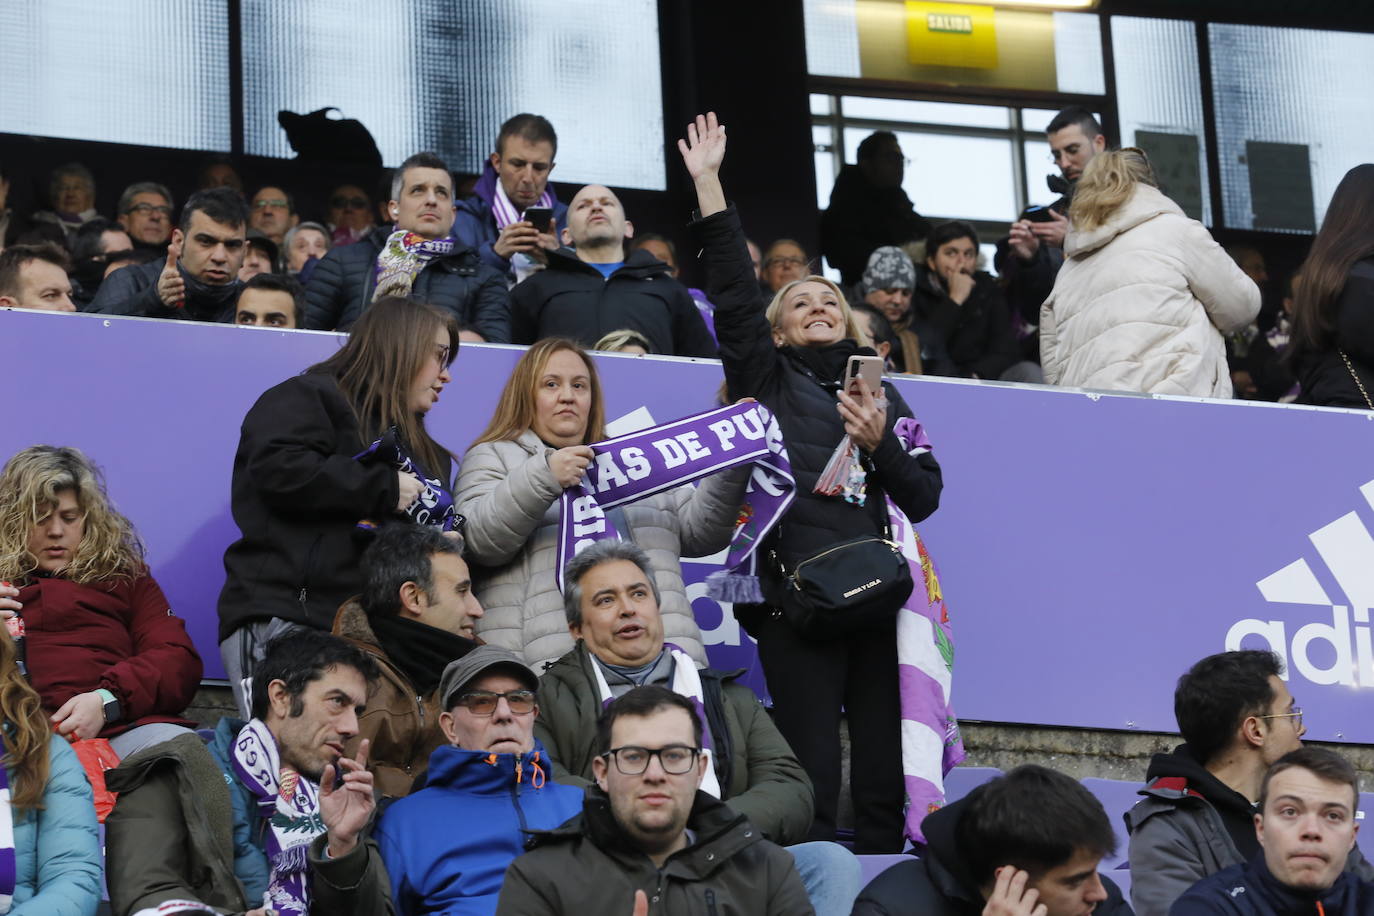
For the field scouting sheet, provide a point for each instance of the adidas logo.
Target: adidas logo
(1339, 652)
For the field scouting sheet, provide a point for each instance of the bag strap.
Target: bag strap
(1356, 376)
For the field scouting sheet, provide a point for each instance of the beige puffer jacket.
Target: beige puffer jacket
(1141, 304)
(509, 497)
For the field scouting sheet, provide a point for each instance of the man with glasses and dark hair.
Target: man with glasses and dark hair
(1237, 718)
(198, 281)
(448, 845)
(145, 212)
(1306, 822)
(868, 208)
(647, 836)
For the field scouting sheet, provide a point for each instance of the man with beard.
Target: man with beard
(198, 281)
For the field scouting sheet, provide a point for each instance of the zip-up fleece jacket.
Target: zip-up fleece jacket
(1252, 890)
(589, 865)
(448, 846)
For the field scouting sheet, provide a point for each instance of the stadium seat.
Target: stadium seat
(873, 866)
(960, 781)
(1117, 796)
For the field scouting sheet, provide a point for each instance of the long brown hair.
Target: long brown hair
(30, 484)
(515, 411)
(376, 367)
(26, 740)
(1346, 236)
(1108, 181)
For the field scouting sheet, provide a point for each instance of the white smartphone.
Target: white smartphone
(865, 369)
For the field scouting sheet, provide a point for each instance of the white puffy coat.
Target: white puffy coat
(1141, 304)
(509, 497)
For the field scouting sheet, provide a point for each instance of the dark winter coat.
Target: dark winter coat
(572, 299)
(341, 288)
(475, 226)
(297, 496)
(759, 775)
(1325, 379)
(863, 217)
(589, 866)
(940, 883)
(132, 291)
(977, 335)
(1252, 890)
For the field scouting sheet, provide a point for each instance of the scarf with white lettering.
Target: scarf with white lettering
(290, 804)
(9, 866)
(686, 682)
(434, 506)
(402, 258)
(632, 467)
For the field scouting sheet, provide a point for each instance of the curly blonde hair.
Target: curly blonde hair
(1108, 182)
(26, 740)
(30, 485)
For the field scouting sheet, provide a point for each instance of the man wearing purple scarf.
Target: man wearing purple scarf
(515, 179)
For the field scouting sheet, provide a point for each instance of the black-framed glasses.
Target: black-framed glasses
(144, 209)
(675, 759)
(1295, 715)
(484, 702)
(266, 202)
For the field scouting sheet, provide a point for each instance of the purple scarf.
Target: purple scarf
(629, 468)
(434, 505)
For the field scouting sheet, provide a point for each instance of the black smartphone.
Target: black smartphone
(1038, 214)
(540, 218)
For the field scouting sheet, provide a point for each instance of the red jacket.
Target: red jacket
(121, 636)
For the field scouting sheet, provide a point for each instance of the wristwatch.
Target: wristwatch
(112, 710)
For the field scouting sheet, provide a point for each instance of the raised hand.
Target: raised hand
(960, 286)
(1010, 898)
(1052, 233)
(704, 149)
(1022, 239)
(346, 808)
(171, 288)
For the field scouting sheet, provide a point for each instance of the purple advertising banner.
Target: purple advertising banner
(1091, 546)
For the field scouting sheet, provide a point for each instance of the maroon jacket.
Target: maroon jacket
(121, 636)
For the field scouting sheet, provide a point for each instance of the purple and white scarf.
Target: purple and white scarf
(931, 743)
(434, 506)
(402, 258)
(504, 211)
(686, 682)
(9, 866)
(634, 466)
(290, 804)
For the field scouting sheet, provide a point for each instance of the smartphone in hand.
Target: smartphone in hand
(540, 218)
(865, 370)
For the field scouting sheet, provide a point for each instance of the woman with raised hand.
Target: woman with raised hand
(791, 354)
(1145, 293)
(509, 486)
(323, 460)
(51, 824)
(99, 642)
(1332, 347)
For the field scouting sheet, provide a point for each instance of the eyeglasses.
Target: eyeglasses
(484, 702)
(146, 209)
(785, 262)
(1295, 715)
(675, 759)
(348, 203)
(269, 202)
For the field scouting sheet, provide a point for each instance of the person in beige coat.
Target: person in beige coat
(508, 487)
(1145, 293)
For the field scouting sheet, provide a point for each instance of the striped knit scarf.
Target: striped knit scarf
(403, 256)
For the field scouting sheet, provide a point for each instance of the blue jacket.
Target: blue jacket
(341, 288)
(448, 845)
(1252, 890)
(250, 846)
(475, 227)
(57, 849)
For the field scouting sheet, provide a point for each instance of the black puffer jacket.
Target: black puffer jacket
(297, 496)
(862, 217)
(940, 883)
(978, 336)
(571, 299)
(341, 288)
(1325, 378)
(1252, 890)
(132, 290)
(789, 383)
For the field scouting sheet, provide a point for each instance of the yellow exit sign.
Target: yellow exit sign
(951, 35)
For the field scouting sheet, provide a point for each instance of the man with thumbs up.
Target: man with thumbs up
(198, 281)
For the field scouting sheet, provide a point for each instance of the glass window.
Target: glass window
(820, 104)
(823, 140)
(149, 74)
(1035, 120)
(832, 38)
(968, 177)
(444, 75)
(1039, 166)
(1078, 53)
(1159, 104)
(1291, 110)
(925, 112)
